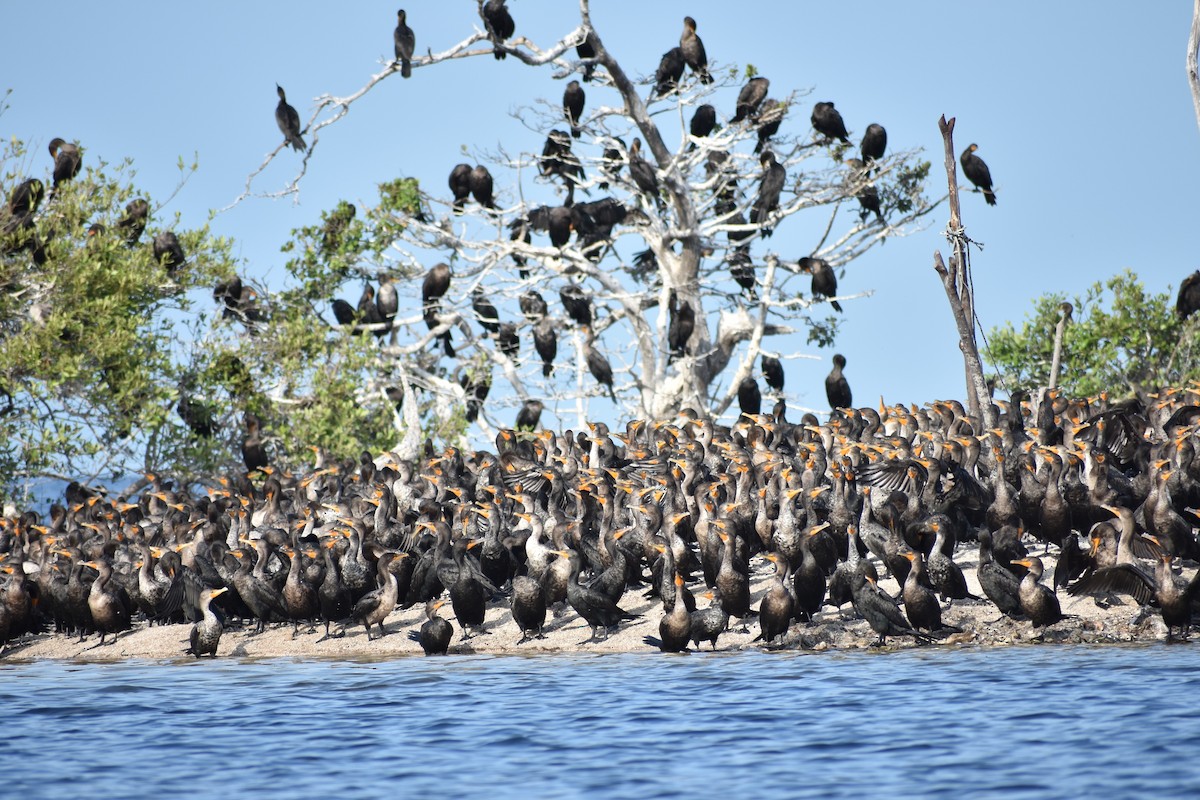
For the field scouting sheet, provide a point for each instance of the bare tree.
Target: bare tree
(664, 234)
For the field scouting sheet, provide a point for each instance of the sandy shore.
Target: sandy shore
(569, 633)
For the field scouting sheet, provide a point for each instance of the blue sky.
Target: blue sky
(1082, 111)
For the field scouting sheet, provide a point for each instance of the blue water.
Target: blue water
(1022, 722)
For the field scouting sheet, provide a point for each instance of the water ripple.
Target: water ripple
(954, 723)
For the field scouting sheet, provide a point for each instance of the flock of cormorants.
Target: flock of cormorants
(670, 508)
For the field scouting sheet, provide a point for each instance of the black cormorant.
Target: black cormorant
(977, 172)
(573, 99)
(874, 143)
(772, 372)
(499, 24)
(828, 122)
(134, 222)
(435, 633)
(545, 342)
(837, 388)
(206, 632)
(288, 121)
(693, 51)
(480, 182)
(528, 416)
(405, 43)
(670, 70)
(824, 279)
(460, 186)
(769, 190)
(750, 98)
(704, 120)
(67, 161)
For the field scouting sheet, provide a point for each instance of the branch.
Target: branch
(1193, 51)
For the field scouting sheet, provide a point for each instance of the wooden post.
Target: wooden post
(956, 280)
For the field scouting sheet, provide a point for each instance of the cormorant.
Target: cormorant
(600, 368)
(509, 341)
(288, 121)
(387, 302)
(436, 633)
(670, 70)
(837, 388)
(977, 172)
(533, 305)
(375, 606)
(750, 98)
(67, 161)
(680, 325)
(254, 452)
(1188, 300)
(585, 50)
(596, 608)
(168, 251)
(769, 118)
(578, 304)
(499, 24)
(460, 185)
(777, 605)
(405, 43)
(480, 181)
(485, 310)
(545, 341)
(693, 51)
(880, 610)
(206, 632)
(433, 288)
(675, 627)
(573, 99)
(343, 312)
(749, 397)
(704, 120)
(106, 601)
(1037, 602)
(997, 582)
(528, 607)
(528, 416)
(709, 623)
(769, 190)
(874, 143)
(828, 122)
(26, 197)
(642, 173)
(824, 279)
(560, 224)
(134, 222)
(772, 372)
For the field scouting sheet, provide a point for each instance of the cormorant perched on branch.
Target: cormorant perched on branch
(693, 51)
(750, 98)
(824, 279)
(769, 190)
(480, 182)
(485, 310)
(406, 43)
(435, 285)
(704, 121)
(573, 98)
(837, 388)
(560, 223)
(168, 251)
(772, 372)
(670, 70)
(134, 222)
(510, 343)
(67, 161)
(460, 185)
(643, 173)
(528, 416)
(26, 197)
(680, 324)
(585, 51)
(533, 305)
(288, 121)
(600, 368)
(499, 24)
(978, 173)
(874, 143)
(828, 122)
(577, 304)
(1188, 300)
(769, 118)
(545, 342)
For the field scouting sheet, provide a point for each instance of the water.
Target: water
(1024, 722)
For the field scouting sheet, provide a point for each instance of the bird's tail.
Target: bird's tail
(406, 68)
